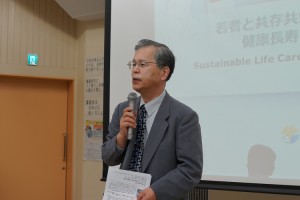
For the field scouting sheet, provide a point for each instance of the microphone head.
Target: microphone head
(131, 96)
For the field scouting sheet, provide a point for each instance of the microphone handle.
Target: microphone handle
(130, 130)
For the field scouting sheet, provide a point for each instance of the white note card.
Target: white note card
(125, 185)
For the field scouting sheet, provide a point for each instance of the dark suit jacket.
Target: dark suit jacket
(173, 152)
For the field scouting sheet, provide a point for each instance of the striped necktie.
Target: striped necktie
(137, 154)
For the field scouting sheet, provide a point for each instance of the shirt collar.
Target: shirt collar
(154, 104)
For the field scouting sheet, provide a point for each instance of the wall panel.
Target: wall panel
(36, 26)
(4, 28)
(17, 34)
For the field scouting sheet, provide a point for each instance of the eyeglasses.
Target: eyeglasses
(142, 64)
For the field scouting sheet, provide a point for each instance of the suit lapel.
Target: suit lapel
(157, 132)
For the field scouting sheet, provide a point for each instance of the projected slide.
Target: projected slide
(224, 42)
(237, 66)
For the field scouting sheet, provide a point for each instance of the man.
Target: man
(172, 145)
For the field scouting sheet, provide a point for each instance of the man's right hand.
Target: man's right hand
(128, 120)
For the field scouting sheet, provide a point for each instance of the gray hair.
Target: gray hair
(163, 55)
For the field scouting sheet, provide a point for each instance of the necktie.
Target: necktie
(137, 154)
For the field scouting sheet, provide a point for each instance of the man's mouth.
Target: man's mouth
(136, 79)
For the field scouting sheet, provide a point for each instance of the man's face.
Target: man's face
(148, 79)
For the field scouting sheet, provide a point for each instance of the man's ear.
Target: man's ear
(165, 71)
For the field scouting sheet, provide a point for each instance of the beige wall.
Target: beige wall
(36, 26)
(91, 43)
(63, 44)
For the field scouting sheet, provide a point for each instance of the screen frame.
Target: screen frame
(204, 184)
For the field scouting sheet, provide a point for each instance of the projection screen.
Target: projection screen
(237, 66)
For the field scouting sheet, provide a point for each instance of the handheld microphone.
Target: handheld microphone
(131, 101)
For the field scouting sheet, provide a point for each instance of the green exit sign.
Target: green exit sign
(32, 59)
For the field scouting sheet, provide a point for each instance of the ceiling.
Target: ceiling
(84, 10)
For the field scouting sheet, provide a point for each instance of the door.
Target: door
(33, 121)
